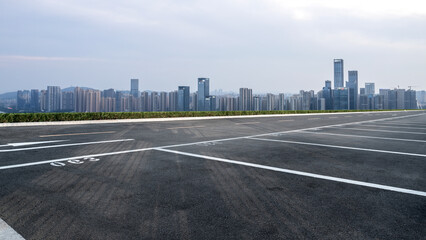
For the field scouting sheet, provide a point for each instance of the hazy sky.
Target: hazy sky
(268, 45)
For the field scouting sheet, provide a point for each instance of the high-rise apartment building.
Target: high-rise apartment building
(270, 102)
(134, 87)
(281, 102)
(246, 99)
(35, 100)
(338, 73)
(53, 98)
(155, 102)
(145, 101)
(68, 101)
(352, 85)
(203, 94)
(183, 98)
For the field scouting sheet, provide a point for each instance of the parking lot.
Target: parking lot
(316, 176)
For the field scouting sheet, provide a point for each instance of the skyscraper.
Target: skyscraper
(246, 99)
(327, 95)
(338, 73)
(183, 98)
(35, 100)
(173, 101)
(352, 85)
(203, 93)
(53, 98)
(341, 99)
(370, 89)
(270, 104)
(134, 87)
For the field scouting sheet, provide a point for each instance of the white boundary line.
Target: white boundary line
(341, 147)
(30, 143)
(63, 145)
(189, 144)
(361, 136)
(25, 124)
(7, 232)
(377, 130)
(300, 173)
(401, 124)
(386, 126)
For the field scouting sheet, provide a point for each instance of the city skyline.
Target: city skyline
(255, 44)
(342, 96)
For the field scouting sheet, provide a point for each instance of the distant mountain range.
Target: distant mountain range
(8, 95)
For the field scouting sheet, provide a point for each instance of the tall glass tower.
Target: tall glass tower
(352, 85)
(203, 93)
(338, 73)
(134, 87)
(183, 98)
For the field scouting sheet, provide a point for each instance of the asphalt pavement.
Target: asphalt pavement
(314, 176)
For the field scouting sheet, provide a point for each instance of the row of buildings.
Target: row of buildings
(340, 97)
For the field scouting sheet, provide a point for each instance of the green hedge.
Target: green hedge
(50, 117)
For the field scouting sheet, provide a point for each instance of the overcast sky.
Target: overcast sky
(268, 45)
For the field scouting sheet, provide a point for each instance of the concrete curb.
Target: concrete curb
(142, 120)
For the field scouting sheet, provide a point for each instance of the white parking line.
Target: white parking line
(300, 173)
(361, 136)
(185, 127)
(63, 145)
(189, 144)
(402, 124)
(409, 122)
(29, 143)
(246, 123)
(6, 232)
(341, 147)
(286, 120)
(313, 118)
(376, 130)
(75, 134)
(399, 127)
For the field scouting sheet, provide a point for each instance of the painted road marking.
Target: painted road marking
(313, 118)
(29, 143)
(64, 145)
(300, 173)
(377, 130)
(332, 117)
(286, 120)
(189, 144)
(185, 127)
(72, 158)
(75, 134)
(362, 136)
(383, 126)
(410, 122)
(246, 123)
(401, 124)
(6, 232)
(341, 147)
